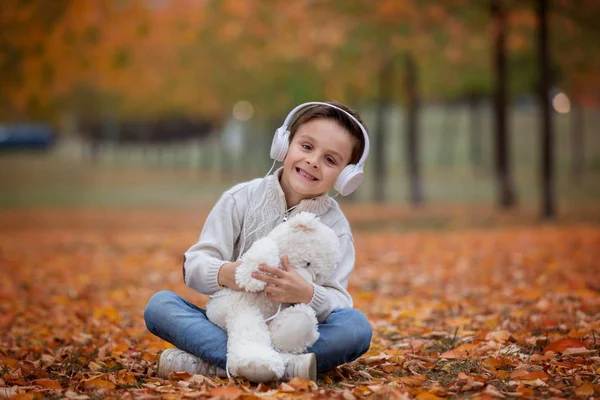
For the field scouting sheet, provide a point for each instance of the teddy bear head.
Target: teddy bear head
(312, 247)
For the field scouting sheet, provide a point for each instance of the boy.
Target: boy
(326, 148)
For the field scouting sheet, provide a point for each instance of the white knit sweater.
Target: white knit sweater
(251, 210)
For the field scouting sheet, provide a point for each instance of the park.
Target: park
(476, 229)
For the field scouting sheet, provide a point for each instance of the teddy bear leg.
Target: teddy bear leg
(249, 350)
(294, 329)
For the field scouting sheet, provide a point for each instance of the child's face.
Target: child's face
(318, 153)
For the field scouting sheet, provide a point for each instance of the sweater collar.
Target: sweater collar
(317, 205)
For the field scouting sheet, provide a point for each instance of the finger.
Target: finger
(272, 292)
(285, 262)
(264, 277)
(271, 270)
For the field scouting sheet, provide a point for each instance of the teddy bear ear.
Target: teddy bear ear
(303, 228)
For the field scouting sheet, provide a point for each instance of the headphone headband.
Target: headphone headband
(292, 113)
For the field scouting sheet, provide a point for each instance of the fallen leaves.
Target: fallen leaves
(492, 314)
(562, 345)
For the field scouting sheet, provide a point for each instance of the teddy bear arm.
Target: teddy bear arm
(263, 251)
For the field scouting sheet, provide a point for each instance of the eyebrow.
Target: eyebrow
(335, 153)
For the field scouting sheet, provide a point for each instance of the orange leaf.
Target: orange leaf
(498, 336)
(415, 380)
(48, 383)
(502, 374)
(109, 313)
(28, 396)
(99, 384)
(585, 390)
(428, 396)
(561, 345)
(117, 350)
(9, 362)
(531, 376)
(461, 351)
(300, 384)
(125, 377)
(179, 375)
(284, 387)
(227, 392)
(492, 363)
(526, 391)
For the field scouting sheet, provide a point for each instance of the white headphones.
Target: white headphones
(350, 177)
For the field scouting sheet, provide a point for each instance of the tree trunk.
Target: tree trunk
(547, 144)
(412, 133)
(577, 143)
(506, 195)
(379, 156)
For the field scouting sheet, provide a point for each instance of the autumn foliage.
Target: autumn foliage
(482, 313)
(137, 58)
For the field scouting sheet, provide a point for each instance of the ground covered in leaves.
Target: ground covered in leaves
(505, 312)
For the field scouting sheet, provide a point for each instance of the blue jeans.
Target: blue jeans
(344, 336)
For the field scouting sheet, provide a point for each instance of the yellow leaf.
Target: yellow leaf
(110, 313)
(119, 349)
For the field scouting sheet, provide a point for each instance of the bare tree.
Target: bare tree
(506, 195)
(412, 132)
(547, 143)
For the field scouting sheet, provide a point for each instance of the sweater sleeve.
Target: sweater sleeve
(333, 294)
(214, 248)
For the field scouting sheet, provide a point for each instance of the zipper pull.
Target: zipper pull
(286, 216)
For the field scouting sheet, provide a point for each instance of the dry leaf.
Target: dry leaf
(563, 344)
(585, 390)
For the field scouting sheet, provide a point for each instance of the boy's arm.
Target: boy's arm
(215, 247)
(333, 294)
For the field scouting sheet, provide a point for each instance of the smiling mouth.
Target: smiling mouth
(305, 174)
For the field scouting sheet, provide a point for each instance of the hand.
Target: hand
(226, 275)
(285, 285)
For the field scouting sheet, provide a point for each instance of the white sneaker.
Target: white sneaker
(178, 360)
(301, 366)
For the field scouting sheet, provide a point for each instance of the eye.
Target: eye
(330, 160)
(306, 146)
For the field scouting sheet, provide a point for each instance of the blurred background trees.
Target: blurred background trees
(444, 85)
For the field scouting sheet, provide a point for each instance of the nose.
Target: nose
(312, 161)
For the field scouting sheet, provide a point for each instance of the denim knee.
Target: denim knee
(357, 333)
(155, 308)
(361, 330)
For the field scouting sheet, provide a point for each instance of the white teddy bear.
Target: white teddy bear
(258, 343)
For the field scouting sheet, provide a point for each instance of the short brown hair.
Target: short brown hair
(324, 112)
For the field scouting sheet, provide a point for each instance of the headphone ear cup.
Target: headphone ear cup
(349, 179)
(279, 146)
